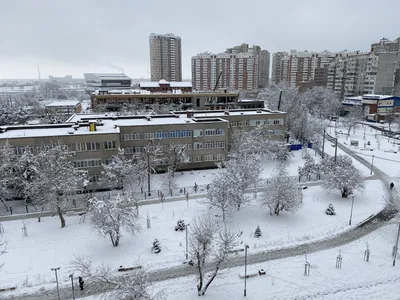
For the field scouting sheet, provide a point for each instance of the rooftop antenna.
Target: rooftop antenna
(38, 70)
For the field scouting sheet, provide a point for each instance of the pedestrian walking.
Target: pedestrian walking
(391, 185)
(81, 282)
(195, 187)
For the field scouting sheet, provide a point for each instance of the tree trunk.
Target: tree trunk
(200, 284)
(344, 193)
(60, 214)
(214, 274)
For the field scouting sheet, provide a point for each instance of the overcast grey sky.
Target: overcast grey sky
(77, 36)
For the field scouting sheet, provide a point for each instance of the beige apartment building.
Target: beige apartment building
(94, 139)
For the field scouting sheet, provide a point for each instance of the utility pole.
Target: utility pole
(372, 164)
(186, 226)
(148, 171)
(335, 149)
(323, 145)
(55, 271)
(351, 211)
(72, 285)
(396, 247)
(245, 268)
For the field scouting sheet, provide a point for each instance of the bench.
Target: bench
(122, 269)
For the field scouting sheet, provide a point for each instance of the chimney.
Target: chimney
(92, 127)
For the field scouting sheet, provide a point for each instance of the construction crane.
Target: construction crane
(216, 84)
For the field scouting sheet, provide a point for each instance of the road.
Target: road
(362, 229)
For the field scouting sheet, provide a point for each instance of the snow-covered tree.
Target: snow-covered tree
(210, 245)
(121, 171)
(174, 157)
(257, 232)
(156, 247)
(7, 159)
(111, 212)
(352, 119)
(221, 192)
(271, 95)
(330, 210)
(309, 168)
(341, 175)
(133, 286)
(322, 102)
(57, 179)
(283, 193)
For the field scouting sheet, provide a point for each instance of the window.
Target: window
(180, 133)
(90, 146)
(209, 132)
(197, 132)
(131, 136)
(162, 134)
(197, 158)
(256, 122)
(19, 150)
(220, 131)
(197, 146)
(220, 144)
(189, 147)
(214, 157)
(278, 122)
(88, 163)
(209, 145)
(149, 136)
(234, 124)
(79, 147)
(110, 145)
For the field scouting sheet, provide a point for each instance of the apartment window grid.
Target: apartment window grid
(213, 132)
(87, 163)
(197, 158)
(197, 146)
(131, 136)
(180, 133)
(219, 144)
(149, 136)
(110, 145)
(214, 157)
(209, 145)
(162, 134)
(93, 146)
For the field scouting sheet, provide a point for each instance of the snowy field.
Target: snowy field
(29, 259)
(356, 280)
(384, 158)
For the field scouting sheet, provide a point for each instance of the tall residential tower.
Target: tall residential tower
(165, 57)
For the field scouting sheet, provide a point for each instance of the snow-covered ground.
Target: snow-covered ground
(356, 280)
(29, 259)
(384, 158)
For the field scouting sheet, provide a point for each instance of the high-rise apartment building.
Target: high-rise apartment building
(165, 57)
(237, 68)
(356, 73)
(297, 68)
(386, 45)
(276, 75)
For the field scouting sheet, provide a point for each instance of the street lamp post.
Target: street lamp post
(336, 149)
(72, 285)
(148, 172)
(396, 247)
(245, 269)
(55, 271)
(372, 164)
(351, 211)
(186, 226)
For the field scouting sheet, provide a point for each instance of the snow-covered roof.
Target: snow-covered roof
(250, 100)
(52, 131)
(173, 84)
(64, 103)
(375, 97)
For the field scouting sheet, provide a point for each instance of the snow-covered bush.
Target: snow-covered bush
(257, 232)
(156, 247)
(330, 210)
(180, 225)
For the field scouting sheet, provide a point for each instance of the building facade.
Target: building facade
(94, 139)
(297, 68)
(238, 68)
(165, 57)
(106, 81)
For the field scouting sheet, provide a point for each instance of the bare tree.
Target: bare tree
(112, 211)
(3, 245)
(352, 119)
(210, 246)
(174, 157)
(132, 286)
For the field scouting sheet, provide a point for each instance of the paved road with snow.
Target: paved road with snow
(362, 229)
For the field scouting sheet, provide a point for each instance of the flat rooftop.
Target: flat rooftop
(64, 103)
(233, 112)
(162, 94)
